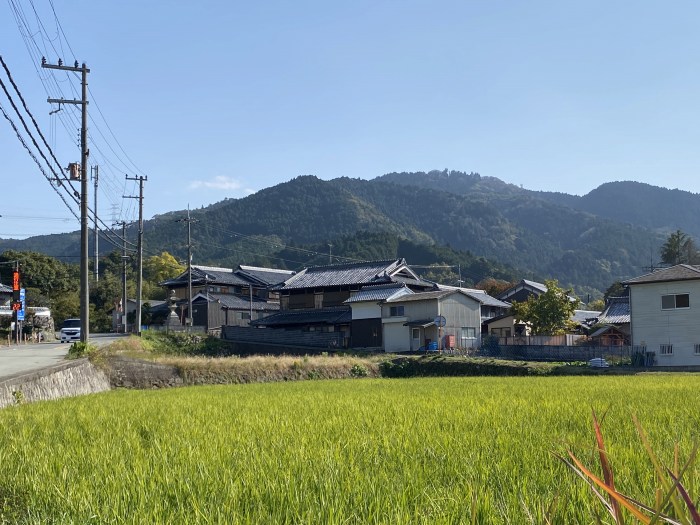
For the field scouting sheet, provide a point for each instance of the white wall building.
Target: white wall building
(665, 314)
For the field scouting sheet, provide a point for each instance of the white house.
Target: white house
(409, 321)
(665, 314)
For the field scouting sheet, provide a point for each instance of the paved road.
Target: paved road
(25, 358)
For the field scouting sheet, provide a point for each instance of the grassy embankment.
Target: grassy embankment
(204, 361)
(421, 450)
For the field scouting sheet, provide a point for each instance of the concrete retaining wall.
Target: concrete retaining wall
(72, 378)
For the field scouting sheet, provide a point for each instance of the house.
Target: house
(452, 318)
(330, 286)
(5, 294)
(366, 319)
(224, 295)
(314, 299)
(665, 314)
(148, 306)
(521, 291)
(613, 323)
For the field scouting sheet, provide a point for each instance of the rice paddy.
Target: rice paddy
(431, 450)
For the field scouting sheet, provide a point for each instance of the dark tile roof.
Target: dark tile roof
(237, 302)
(207, 274)
(330, 316)
(5, 289)
(264, 276)
(379, 293)
(535, 287)
(679, 272)
(616, 312)
(344, 274)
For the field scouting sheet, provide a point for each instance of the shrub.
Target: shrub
(80, 349)
(358, 370)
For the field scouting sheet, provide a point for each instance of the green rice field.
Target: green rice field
(432, 450)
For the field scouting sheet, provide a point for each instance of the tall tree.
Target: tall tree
(679, 248)
(548, 314)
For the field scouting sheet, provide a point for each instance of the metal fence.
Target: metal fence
(636, 355)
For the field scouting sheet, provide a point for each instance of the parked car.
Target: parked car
(598, 362)
(70, 331)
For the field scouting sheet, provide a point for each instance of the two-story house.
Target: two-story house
(664, 310)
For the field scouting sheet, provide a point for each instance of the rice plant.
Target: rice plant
(431, 450)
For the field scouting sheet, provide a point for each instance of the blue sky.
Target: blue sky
(221, 99)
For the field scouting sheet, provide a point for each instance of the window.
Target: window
(395, 311)
(666, 349)
(672, 302)
(244, 315)
(697, 349)
(468, 336)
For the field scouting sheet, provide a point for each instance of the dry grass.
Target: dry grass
(263, 369)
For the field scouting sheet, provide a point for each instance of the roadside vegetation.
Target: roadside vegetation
(206, 360)
(421, 450)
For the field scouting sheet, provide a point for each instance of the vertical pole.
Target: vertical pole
(84, 276)
(189, 320)
(96, 173)
(139, 282)
(250, 288)
(124, 298)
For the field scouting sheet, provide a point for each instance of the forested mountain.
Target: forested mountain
(479, 224)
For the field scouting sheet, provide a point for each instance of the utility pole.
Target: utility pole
(189, 220)
(124, 259)
(330, 253)
(84, 284)
(95, 175)
(139, 277)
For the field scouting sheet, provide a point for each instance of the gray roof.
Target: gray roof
(616, 312)
(535, 286)
(5, 289)
(484, 298)
(379, 293)
(583, 316)
(207, 275)
(371, 272)
(477, 295)
(265, 276)
(679, 272)
(237, 302)
(329, 316)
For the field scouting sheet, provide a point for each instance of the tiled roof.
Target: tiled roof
(265, 276)
(582, 316)
(679, 272)
(477, 295)
(237, 302)
(343, 275)
(330, 316)
(207, 274)
(484, 298)
(379, 293)
(535, 286)
(421, 296)
(5, 289)
(616, 312)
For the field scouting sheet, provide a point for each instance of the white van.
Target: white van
(70, 331)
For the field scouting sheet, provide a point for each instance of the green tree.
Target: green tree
(679, 248)
(548, 314)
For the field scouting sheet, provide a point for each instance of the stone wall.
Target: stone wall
(125, 372)
(72, 378)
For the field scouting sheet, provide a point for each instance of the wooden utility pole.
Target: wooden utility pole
(84, 284)
(139, 277)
